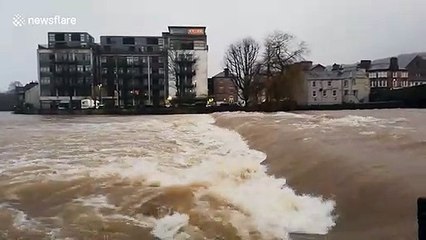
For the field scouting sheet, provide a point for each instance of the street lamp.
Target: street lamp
(97, 103)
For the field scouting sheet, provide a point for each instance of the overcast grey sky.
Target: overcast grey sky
(342, 31)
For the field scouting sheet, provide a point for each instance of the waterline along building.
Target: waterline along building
(123, 71)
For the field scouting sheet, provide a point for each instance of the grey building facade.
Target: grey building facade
(133, 71)
(123, 71)
(67, 69)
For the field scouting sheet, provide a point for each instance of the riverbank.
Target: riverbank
(371, 168)
(213, 109)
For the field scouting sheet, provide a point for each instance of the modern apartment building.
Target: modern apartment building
(133, 71)
(123, 71)
(67, 69)
(187, 59)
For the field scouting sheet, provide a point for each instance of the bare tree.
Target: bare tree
(13, 85)
(241, 60)
(181, 67)
(282, 50)
(283, 79)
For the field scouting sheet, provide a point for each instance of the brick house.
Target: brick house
(222, 89)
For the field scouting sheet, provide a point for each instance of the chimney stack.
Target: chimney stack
(394, 66)
(365, 64)
(306, 65)
(226, 72)
(336, 67)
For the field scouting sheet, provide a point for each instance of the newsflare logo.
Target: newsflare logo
(19, 21)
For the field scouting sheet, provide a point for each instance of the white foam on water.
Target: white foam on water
(367, 133)
(140, 221)
(187, 150)
(22, 221)
(168, 227)
(96, 201)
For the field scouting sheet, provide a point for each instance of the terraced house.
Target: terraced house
(335, 86)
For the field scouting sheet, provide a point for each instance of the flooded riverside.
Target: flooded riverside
(143, 177)
(372, 163)
(308, 175)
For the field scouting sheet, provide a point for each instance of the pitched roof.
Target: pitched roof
(347, 71)
(403, 61)
(221, 75)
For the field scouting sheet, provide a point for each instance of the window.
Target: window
(345, 83)
(160, 60)
(144, 59)
(82, 37)
(87, 57)
(103, 59)
(372, 75)
(355, 92)
(45, 80)
(314, 93)
(129, 60)
(80, 68)
(324, 93)
(129, 40)
(187, 46)
(51, 37)
(385, 84)
(161, 70)
(152, 41)
(71, 56)
(59, 37)
(58, 68)
(108, 40)
(395, 74)
(154, 59)
(314, 84)
(329, 83)
(334, 93)
(87, 68)
(44, 69)
(104, 70)
(75, 37)
(346, 92)
(353, 82)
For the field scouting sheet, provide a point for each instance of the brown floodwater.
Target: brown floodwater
(372, 163)
(144, 177)
(308, 175)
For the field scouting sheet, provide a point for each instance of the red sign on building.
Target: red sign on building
(196, 31)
